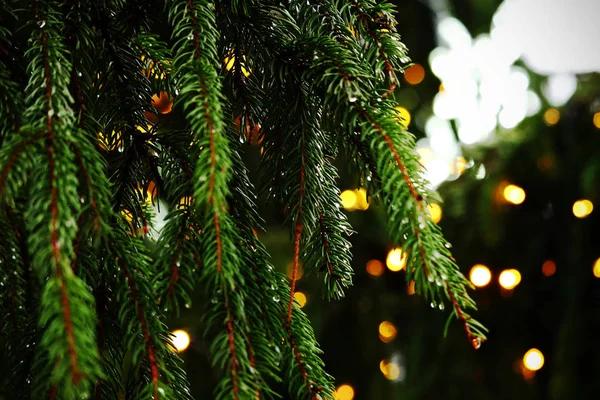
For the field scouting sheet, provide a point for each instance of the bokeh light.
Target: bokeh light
(344, 392)
(509, 278)
(389, 369)
(362, 202)
(404, 116)
(289, 269)
(387, 331)
(551, 116)
(396, 260)
(514, 194)
(375, 268)
(582, 208)
(181, 340)
(435, 211)
(597, 120)
(300, 299)
(596, 268)
(480, 275)
(548, 268)
(533, 360)
(349, 200)
(414, 74)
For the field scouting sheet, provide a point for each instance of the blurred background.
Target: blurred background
(504, 98)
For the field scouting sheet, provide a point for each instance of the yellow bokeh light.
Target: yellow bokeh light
(552, 116)
(509, 278)
(582, 208)
(344, 392)
(548, 268)
(596, 269)
(435, 211)
(403, 115)
(375, 268)
(514, 194)
(300, 298)
(533, 360)
(181, 340)
(387, 331)
(396, 260)
(597, 120)
(414, 74)
(459, 165)
(362, 203)
(389, 369)
(480, 275)
(290, 270)
(349, 200)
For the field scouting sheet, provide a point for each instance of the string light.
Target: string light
(349, 200)
(387, 331)
(548, 268)
(552, 116)
(514, 194)
(435, 211)
(403, 115)
(181, 340)
(480, 275)
(582, 208)
(597, 120)
(396, 260)
(300, 299)
(344, 392)
(414, 74)
(509, 278)
(375, 268)
(596, 268)
(533, 360)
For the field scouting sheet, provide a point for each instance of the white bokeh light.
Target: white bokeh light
(483, 92)
(559, 88)
(551, 36)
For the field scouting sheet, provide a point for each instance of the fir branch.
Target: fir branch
(304, 368)
(139, 316)
(176, 259)
(379, 23)
(66, 324)
(352, 104)
(200, 95)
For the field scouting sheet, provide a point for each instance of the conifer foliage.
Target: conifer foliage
(86, 279)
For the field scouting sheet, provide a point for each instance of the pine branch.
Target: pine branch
(139, 316)
(18, 326)
(352, 104)
(195, 71)
(67, 323)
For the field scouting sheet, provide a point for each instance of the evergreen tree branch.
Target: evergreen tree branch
(139, 317)
(200, 94)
